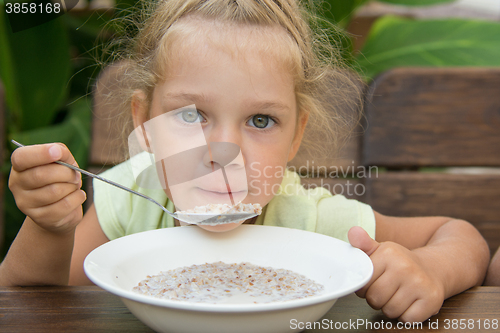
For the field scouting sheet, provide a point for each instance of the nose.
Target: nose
(223, 130)
(223, 140)
(222, 154)
(182, 167)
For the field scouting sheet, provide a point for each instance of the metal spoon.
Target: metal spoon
(191, 218)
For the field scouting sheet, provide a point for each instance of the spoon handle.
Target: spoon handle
(90, 174)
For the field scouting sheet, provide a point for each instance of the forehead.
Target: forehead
(241, 41)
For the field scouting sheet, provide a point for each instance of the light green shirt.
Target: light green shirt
(121, 213)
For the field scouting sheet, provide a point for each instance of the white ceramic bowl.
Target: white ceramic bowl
(119, 265)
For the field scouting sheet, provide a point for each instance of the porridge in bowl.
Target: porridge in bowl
(229, 283)
(117, 266)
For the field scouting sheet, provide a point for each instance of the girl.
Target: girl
(256, 81)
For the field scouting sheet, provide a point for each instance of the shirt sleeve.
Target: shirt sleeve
(122, 213)
(112, 205)
(337, 214)
(316, 210)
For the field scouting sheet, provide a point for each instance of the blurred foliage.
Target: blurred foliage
(34, 67)
(340, 12)
(396, 42)
(401, 42)
(48, 72)
(416, 2)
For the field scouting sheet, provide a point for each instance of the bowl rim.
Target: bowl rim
(229, 307)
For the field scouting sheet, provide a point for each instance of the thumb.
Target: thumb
(360, 239)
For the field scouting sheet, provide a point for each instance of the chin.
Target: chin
(221, 227)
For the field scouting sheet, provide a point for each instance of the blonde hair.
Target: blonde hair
(325, 89)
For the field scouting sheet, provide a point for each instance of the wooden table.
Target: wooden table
(90, 309)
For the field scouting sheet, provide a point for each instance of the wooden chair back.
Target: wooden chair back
(435, 136)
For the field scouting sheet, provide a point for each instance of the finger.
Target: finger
(44, 175)
(47, 195)
(379, 268)
(427, 304)
(360, 239)
(382, 291)
(30, 156)
(419, 310)
(57, 213)
(402, 299)
(66, 155)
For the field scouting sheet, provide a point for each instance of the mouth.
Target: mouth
(218, 197)
(221, 191)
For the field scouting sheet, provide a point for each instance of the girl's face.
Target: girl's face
(242, 99)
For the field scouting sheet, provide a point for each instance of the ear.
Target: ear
(299, 134)
(139, 107)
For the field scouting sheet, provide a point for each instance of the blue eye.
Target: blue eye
(261, 121)
(190, 116)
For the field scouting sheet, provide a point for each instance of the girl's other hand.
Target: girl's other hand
(400, 285)
(47, 192)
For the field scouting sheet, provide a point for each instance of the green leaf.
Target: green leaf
(397, 42)
(74, 132)
(416, 2)
(339, 11)
(34, 67)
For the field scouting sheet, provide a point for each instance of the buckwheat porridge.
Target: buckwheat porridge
(229, 283)
(225, 209)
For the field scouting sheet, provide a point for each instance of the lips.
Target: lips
(221, 191)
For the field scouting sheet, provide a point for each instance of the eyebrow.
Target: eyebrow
(200, 97)
(273, 105)
(195, 97)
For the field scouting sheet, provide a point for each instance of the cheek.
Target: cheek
(264, 182)
(267, 157)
